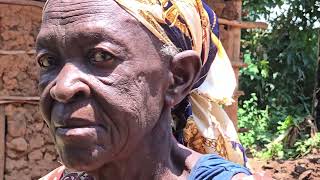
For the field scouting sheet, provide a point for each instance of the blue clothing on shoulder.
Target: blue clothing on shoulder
(214, 167)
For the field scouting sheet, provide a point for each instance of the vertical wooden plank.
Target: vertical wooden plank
(216, 5)
(2, 141)
(316, 99)
(235, 35)
(231, 37)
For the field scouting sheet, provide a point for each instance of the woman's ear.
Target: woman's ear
(185, 68)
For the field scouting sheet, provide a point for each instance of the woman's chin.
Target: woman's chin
(82, 159)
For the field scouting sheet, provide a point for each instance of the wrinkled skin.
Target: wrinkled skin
(106, 92)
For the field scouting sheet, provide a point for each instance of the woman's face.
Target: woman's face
(102, 81)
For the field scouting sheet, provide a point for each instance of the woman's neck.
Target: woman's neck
(158, 156)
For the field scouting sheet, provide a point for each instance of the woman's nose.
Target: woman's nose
(70, 85)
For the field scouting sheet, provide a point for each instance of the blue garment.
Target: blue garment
(214, 167)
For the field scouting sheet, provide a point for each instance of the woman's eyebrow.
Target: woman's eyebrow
(46, 40)
(97, 35)
(49, 39)
(83, 39)
(99, 38)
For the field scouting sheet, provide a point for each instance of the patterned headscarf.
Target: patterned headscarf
(192, 25)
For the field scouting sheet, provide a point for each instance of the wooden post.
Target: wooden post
(231, 42)
(316, 99)
(2, 141)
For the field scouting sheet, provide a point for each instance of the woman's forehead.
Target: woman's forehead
(77, 11)
(94, 20)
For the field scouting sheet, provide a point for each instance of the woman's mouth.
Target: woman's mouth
(83, 134)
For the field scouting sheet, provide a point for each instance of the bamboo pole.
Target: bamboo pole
(23, 2)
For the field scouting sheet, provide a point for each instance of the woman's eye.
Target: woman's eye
(45, 61)
(101, 56)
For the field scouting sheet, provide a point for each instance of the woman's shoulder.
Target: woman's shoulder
(212, 166)
(55, 174)
(61, 173)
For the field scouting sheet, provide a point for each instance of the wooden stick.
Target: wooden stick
(238, 94)
(243, 130)
(243, 24)
(18, 99)
(23, 2)
(16, 52)
(2, 141)
(19, 102)
(238, 64)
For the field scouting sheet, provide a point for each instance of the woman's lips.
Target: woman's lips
(85, 134)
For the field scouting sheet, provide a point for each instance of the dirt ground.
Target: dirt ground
(304, 168)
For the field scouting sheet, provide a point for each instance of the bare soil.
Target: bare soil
(304, 168)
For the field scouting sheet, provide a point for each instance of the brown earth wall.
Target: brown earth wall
(29, 150)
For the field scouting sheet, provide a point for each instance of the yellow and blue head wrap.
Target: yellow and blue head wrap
(192, 25)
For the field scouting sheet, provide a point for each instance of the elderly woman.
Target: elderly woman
(124, 83)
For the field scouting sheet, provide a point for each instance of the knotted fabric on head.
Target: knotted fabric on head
(192, 25)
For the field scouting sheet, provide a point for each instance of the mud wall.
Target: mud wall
(29, 151)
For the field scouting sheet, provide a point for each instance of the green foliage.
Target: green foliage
(256, 121)
(305, 145)
(271, 151)
(301, 148)
(257, 8)
(286, 124)
(266, 140)
(280, 76)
